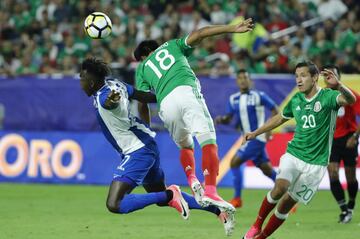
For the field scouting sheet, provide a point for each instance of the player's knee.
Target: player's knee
(266, 171)
(279, 190)
(235, 162)
(333, 175)
(113, 206)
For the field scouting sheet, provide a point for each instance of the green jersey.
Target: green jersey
(166, 68)
(315, 124)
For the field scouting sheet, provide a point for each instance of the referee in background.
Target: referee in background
(345, 148)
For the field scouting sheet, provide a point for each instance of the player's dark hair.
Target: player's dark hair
(97, 67)
(241, 71)
(144, 49)
(330, 66)
(313, 69)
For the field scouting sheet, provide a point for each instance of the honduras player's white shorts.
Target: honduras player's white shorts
(304, 178)
(185, 115)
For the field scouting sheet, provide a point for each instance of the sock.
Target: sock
(187, 160)
(273, 175)
(339, 194)
(352, 191)
(238, 183)
(194, 205)
(133, 202)
(274, 223)
(210, 163)
(267, 206)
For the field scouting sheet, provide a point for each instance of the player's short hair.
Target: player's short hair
(242, 71)
(331, 66)
(96, 67)
(313, 69)
(144, 49)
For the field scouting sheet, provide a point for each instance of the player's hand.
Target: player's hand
(330, 78)
(218, 120)
(113, 97)
(244, 26)
(249, 136)
(351, 142)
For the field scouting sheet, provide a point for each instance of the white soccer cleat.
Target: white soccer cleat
(217, 201)
(228, 220)
(198, 192)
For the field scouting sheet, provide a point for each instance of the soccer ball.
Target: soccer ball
(97, 25)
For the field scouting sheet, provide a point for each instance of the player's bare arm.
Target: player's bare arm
(268, 134)
(346, 97)
(144, 97)
(144, 112)
(270, 124)
(112, 100)
(197, 36)
(223, 119)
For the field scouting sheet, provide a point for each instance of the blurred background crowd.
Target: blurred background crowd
(46, 36)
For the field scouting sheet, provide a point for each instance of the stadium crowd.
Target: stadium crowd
(46, 36)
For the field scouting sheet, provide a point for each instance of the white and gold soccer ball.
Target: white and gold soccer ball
(97, 25)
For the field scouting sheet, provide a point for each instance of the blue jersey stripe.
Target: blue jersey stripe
(142, 136)
(107, 133)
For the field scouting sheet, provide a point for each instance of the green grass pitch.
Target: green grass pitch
(79, 212)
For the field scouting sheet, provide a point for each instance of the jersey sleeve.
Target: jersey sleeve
(230, 108)
(287, 112)
(130, 89)
(267, 101)
(333, 99)
(141, 83)
(184, 47)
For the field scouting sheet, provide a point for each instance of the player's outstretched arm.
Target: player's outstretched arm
(270, 124)
(223, 119)
(346, 97)
(197, 36)
(144, 112)
(143, 96)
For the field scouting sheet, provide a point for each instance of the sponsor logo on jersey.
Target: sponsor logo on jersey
(308, 107)
(317, 106)
(298, 108)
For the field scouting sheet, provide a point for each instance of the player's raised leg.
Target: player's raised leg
(119, 201)
(227, 219)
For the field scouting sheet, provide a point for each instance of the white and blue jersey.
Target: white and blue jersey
(124, 131)
(140, 161)
(249, 111)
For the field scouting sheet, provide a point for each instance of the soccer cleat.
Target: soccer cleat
(198, 192)
(178, 202)
(345, 217)
(236, 202)
(252, 233)
(228, 220)
(217, 201)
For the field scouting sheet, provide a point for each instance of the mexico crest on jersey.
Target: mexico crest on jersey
(317, 106)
